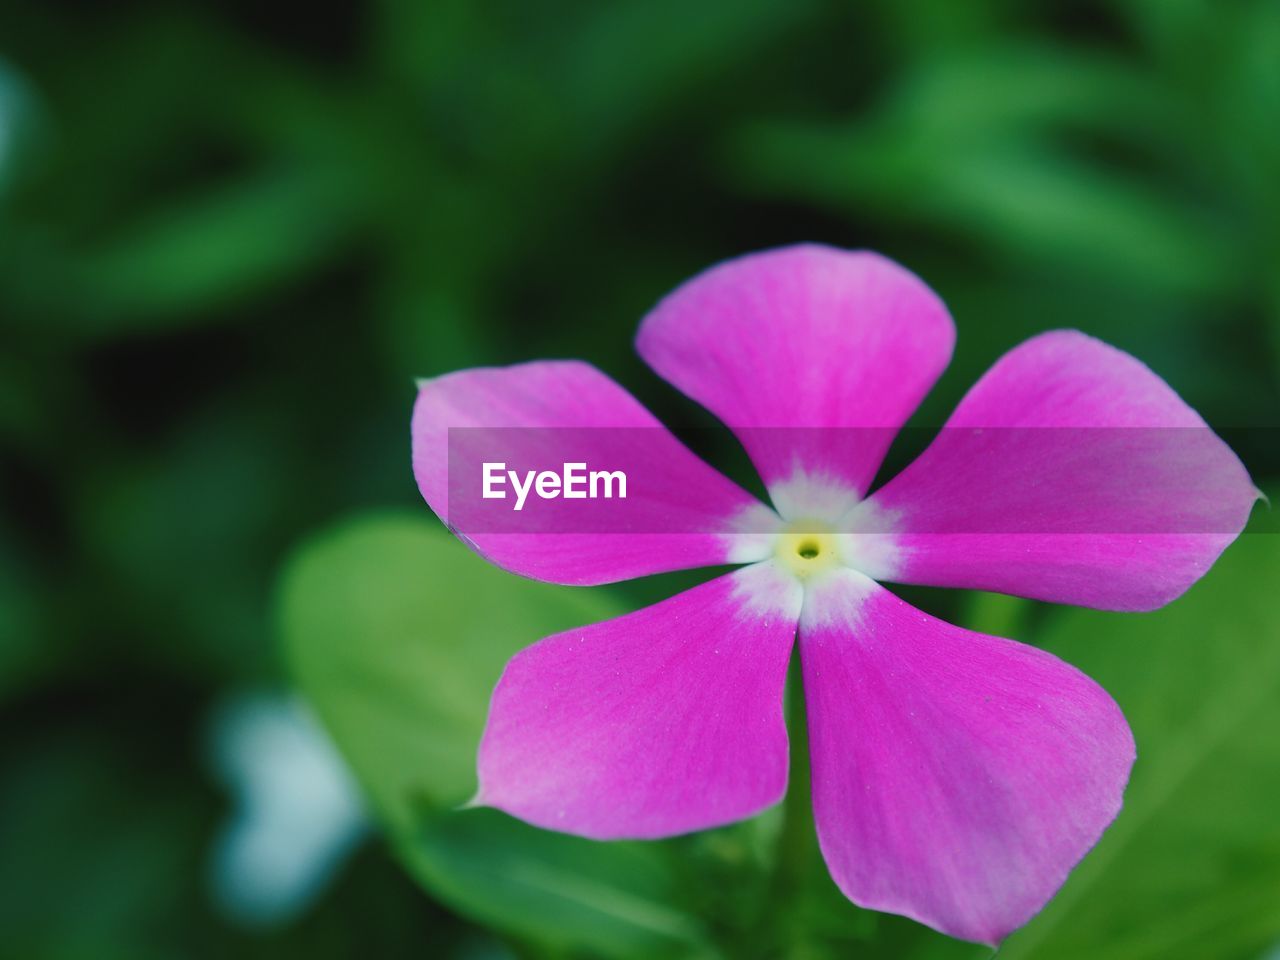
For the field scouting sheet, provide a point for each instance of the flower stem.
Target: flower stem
(796, 839)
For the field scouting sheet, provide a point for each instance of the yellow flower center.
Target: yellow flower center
(807, 547)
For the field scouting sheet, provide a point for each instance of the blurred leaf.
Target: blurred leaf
(996, 613)
(235, 463)
(1174, 28)
(626, 63)
(397, 634)
(1025, 86)
(1191, 868)
(996, 147)
(183, 261)
(563, 891)
(24, 650)
(73, 889)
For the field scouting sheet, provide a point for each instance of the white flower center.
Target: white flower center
(820, 527)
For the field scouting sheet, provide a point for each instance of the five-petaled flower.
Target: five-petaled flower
(957, 777)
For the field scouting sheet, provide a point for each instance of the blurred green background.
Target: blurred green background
(232, 234)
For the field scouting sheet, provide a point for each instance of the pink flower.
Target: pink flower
(957, 777)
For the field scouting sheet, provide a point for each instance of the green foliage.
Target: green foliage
(981, 143)
(201, 256)
(231, 236)
(397, 635)
(376, 616)
(1192, 865)
(373, 615)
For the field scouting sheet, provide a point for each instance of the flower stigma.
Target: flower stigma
(807, 547)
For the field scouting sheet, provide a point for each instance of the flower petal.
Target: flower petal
(957, 777)
(792, 347)
(660, 722)
(677, 513)
(1072, 473)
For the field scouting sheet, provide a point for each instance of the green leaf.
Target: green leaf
(24, 644)
(626, 64)
(177, 264)
(989, 146)
(996, 613)
(560, 890)
(396, 633)
(1191, 868)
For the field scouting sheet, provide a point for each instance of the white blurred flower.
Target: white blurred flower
(17, 118)
(298, 813)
